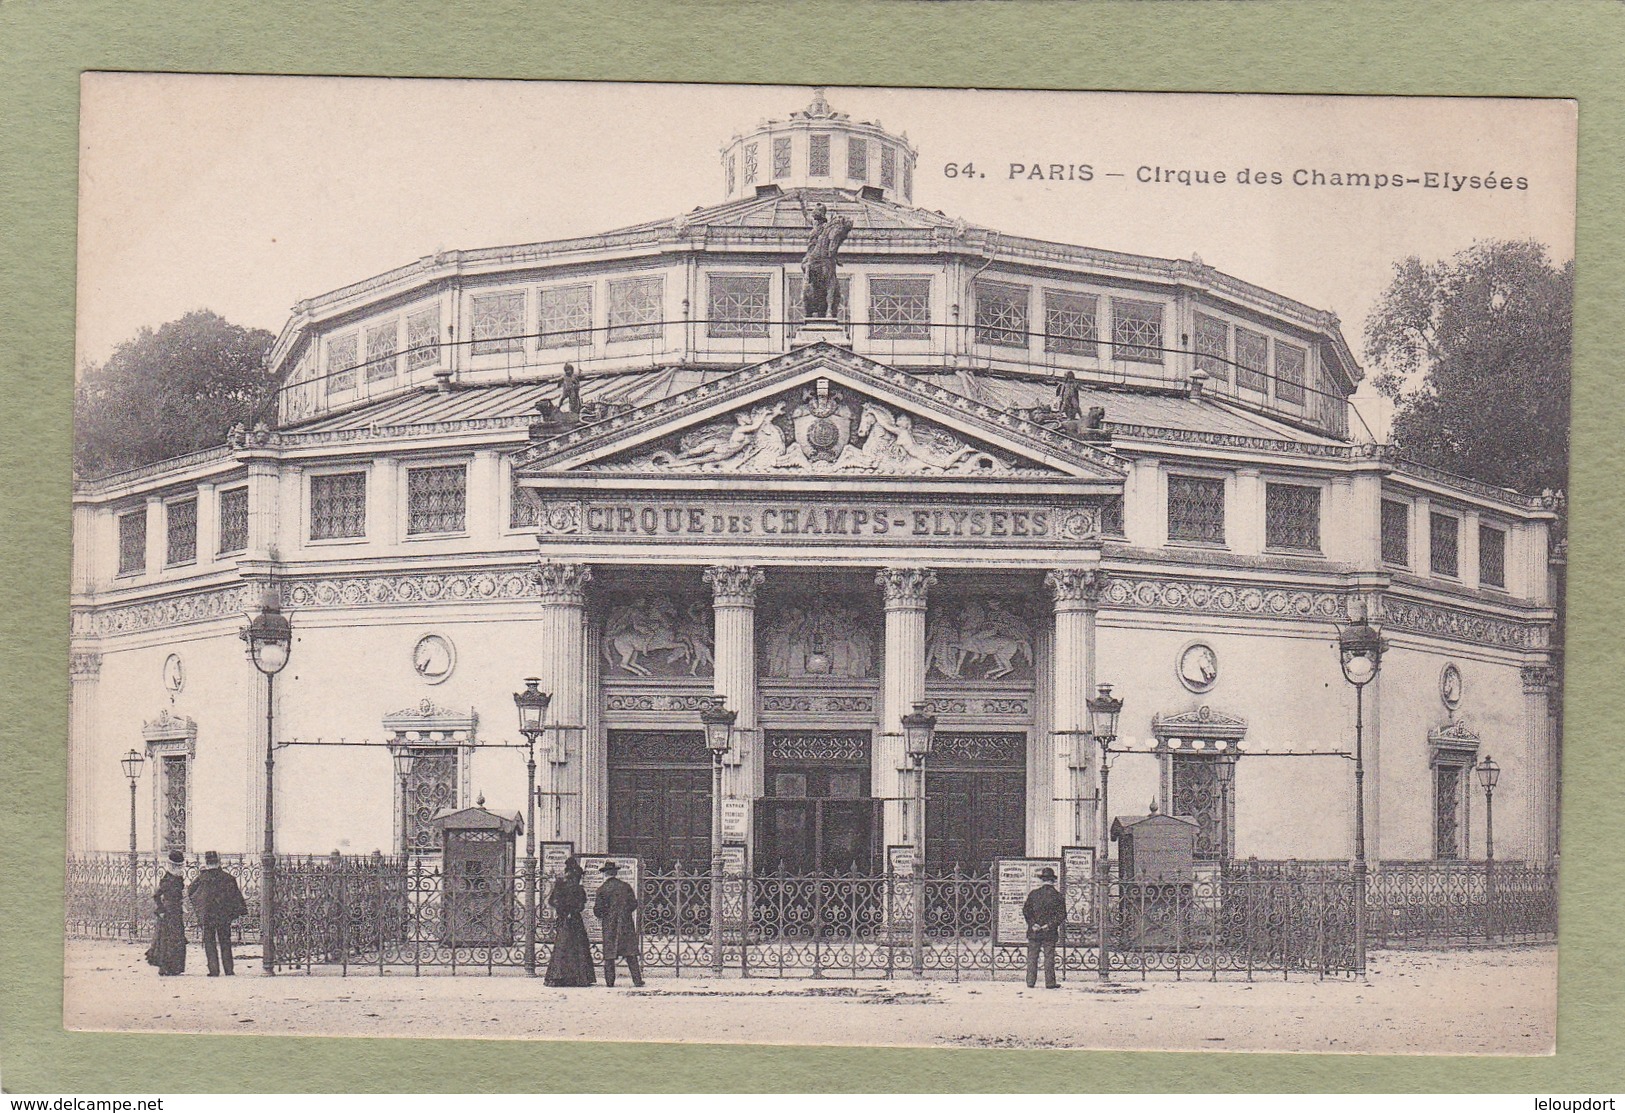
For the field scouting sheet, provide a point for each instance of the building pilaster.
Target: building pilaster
(905, 592)
(84, 676)
(1540, 757)
(1074, 763)
(733, 609)
(562, 653)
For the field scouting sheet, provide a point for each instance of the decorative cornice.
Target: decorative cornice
(806, 701)
(1185, 731)
(1076, 588)
(734, 585)
(1463, 626)
(165, 612)
(562, 582)
(168, 727)
(84, 665)
(657, 701)
(1186, 596)
(427, 723)
(1454, 739)
(905, 588)
(979, 705)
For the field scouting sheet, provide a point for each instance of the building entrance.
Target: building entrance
(817, 815)
(975, 800)
(660, 797)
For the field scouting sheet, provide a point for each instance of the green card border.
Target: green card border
(1511, 48)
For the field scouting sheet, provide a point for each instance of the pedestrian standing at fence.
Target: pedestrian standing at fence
(216, 901)
(168, 950)
(571, 961)
(616, 908)
(1045, 911)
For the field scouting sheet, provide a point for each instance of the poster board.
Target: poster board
(735, 817)
(631, 873)
(1078, 887)
(550, 866)
(735, 873)
(900, 906)
(1013, 879)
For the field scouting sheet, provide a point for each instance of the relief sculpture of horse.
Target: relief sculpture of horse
(636, 630)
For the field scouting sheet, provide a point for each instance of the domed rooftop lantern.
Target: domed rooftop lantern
(820, 148)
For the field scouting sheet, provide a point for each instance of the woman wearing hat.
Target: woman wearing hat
(571, 963)
(168, 950)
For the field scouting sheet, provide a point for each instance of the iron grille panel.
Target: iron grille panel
(739, 304)
(750, 163)
(341, 360)
(132, 542)
(818, 156)
(1001, 314)
(436, 499)
(733, 173)
(382, 362)
(1199, 792)
(1447, 781)
(564, 316)
(784, 746)
(431, 787)
(1292, 517)
(499, 324)
(523, 509)
(1213, 347)
(857, 159)
(1071, 324)
(1111, 516)
(634, 307)
(234, 520)
(781, 158)
(1252, 359)
(888, 167)
(675, 747)
(338, 505)
(1137, 330)
(180, 523)
(423, 339)
(1492, 556)
(1396, 533)
(899, 308)
(1291, 364)
(1195, 509)
(1444, 534)
(175, 801)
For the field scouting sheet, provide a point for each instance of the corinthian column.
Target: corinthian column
(1077, 599)
(1540, 758)
(84, 673)
(733, 603)
(563, 666)
(905, 590)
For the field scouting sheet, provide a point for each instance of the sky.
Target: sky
(244, 194)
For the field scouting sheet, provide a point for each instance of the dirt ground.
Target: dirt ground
(1494, 1001)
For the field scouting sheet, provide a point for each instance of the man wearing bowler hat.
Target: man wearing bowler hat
(616, 908)
(1045, 911)
(218, 901)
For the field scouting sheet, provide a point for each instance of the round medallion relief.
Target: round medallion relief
(1450, 686)
(174, 673)
(434, 657)
(1197, 667)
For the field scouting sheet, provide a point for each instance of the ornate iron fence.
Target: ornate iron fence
(1249, 918)
(105, 899)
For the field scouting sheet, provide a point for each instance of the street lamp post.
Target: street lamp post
(532, 705)
(133, 761)
(1360, 647)
(918, 728)
(718, 722)
(270, 640)
(1104, 710)
(405, 758)
(1488, 774)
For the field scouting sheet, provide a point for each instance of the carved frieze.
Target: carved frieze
(686, 703)
(811, 702)
(657, 635)
(979, 639)
(978, 705)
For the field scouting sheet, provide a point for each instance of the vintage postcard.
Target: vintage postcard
(819, 565)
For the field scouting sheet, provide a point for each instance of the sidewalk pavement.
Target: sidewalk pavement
(1485, 1001)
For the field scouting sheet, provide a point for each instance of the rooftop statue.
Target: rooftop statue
(822, 296)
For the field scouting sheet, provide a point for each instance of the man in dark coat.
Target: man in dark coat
(616, 907)
(1045, 911)
(217, 901)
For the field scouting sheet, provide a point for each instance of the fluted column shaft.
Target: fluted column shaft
(84, 671)
(1076, 592)
(733, 609)
(905, 591)
(1540, 758)
(562, 651)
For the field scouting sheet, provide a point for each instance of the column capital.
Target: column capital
(906, 588)
(734, 584)
(1537, 678)
(84, 665)
(562, 582)
(1076, 588)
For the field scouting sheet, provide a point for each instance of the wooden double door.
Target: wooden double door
(660, 798)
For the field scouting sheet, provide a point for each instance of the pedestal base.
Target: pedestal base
(821, 331)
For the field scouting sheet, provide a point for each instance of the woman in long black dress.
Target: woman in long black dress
(168, 951)
(571, 963)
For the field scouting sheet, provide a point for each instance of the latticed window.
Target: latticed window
(857, 159)
(174, 802)
(1213, 347)
(1444, 535)
(1137, 330)
(1001, 314)
(341, 360)
(132, 542)
(180, 525)
(750, 162)
(888, 167)
(794, 309)
(522, 508)
(634, 308)
(499, 323)
(1195, 509)
(1291, 517)
(1290, 370)
(423, 339)
(818, 156)
(1252, 359)
(234, 520)
(564, 316)
(899, 308)
(781, 158)
(1199, 792)
(1447, 790)
(1070, 324)
(436, 499)
(739, 304)
(1492, 556)
(338, 505)
(1396, 533)
(431, 787)
(1111, 517)
(381, 358)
